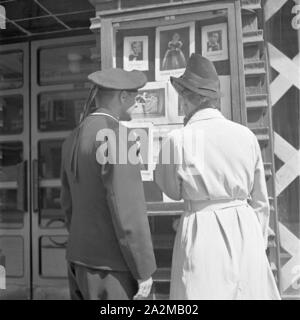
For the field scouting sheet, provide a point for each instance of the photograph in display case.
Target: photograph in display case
(174, 45)
(142, 135)
(215, 42)
(136, 53)
(151, 103)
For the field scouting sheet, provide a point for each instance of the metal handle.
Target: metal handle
(22, 186)
(35, 178)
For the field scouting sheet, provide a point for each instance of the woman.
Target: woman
(216, 167)
(174, 57)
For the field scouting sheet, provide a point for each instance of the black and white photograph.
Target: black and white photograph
(174, 44)
(151, 103)
(149, 153)
(136, 53)
(214, 42)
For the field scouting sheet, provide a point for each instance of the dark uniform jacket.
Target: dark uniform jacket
(104, 205)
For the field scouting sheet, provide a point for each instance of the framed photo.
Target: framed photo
(174, 45)
(215, 42)
(136, 53)
(151, 103)
(142, 133)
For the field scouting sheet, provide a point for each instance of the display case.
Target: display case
(159, 43)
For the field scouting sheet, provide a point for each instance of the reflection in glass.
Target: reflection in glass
(49, 153)
(11, 154)
(11, 70)
(11, 114)
(12, 249)
(11, 157)
(60, 110)
(51, 215)
(10, 215)
(66, 64)
(53, 261)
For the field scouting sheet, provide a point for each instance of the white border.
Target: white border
(164, 75)
(142, 65)
(216, 55)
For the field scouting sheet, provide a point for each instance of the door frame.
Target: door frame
(23, 282)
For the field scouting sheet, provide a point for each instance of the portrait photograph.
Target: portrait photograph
(215, 42)
(136, 53)
(150, 103)
(174, 45)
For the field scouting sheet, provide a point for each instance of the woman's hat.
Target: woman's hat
(200, 76)
(118, 79)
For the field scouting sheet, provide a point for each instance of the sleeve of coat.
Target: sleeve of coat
(65, 196)
(166, 172)
(126, 200)
(259, 194)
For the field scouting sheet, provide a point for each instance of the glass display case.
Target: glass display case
(12, 193)
(14, 169)
(11, 70)
(161, 46)
(11, 114)
(60, 111)
(65, 63)
(59, 90)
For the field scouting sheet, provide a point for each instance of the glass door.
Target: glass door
(59, 90)
(14, 170)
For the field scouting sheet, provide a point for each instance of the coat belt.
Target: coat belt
(210, 205)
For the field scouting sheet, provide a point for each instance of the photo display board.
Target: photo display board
(161, 50)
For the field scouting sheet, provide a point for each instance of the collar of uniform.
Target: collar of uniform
(205, 114)
(108, 112)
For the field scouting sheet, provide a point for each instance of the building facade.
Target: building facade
(46, 52)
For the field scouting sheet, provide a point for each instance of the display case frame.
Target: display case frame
(113, 21)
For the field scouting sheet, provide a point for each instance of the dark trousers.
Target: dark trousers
(92, 284)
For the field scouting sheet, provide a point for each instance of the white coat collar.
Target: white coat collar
(106, 112)
(205, 114)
